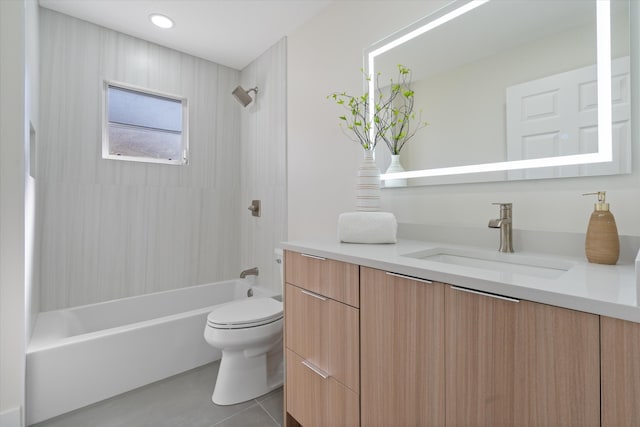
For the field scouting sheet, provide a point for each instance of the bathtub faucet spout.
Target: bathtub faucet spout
(250, 272)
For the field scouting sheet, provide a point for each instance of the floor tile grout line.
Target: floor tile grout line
(269, 413)
(255, 403)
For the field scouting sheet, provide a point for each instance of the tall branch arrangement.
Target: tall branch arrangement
(391, 120)
(399, 120)
(357, 123)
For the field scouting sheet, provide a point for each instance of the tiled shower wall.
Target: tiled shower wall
(109, 229)
(264, 163)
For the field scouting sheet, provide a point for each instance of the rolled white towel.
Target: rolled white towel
(367, 227)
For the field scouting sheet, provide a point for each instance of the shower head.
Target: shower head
(243, 96)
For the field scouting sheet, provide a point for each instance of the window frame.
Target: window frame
(184, 160)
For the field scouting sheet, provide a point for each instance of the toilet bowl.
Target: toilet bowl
(249, 334)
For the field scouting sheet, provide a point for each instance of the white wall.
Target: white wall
(325, 56)
(18, 104)
(263, 159)
(32, 134)
(12, 259)
(110, 229)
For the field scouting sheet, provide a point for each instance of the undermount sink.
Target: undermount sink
(528, 265)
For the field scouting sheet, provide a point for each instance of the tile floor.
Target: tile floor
(183, 400)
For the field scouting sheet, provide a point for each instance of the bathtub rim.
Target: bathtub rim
(87, 336)
(34, 347)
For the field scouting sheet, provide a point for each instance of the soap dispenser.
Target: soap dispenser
(602, 245)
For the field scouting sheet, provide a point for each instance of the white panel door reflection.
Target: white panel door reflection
(558, 116)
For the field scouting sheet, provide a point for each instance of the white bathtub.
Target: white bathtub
(85, 354)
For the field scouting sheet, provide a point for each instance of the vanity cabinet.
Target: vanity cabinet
(374, 348)
(402, 348)
(620, 361)
(322, 336)
(521, 363)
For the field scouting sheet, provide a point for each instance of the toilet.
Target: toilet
(249, 334)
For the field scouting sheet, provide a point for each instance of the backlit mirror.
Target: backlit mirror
(517, 89)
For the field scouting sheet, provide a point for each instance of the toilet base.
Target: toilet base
(243, 376)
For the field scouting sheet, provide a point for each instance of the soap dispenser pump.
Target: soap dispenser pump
(602, 245)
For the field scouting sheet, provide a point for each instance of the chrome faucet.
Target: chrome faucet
(504, 223)
(250, 272)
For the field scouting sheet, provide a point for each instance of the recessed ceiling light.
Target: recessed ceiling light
(161, 21)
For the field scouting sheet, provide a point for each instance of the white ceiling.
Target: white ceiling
(227, 32)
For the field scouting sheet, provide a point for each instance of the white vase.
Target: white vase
(368, 184)
(395, 166)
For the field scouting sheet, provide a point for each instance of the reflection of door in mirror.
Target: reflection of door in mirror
(461, 72)
(558, 116)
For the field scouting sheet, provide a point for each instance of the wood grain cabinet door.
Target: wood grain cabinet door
(402, 345)
(620, 361)
(337, 280)
(322, 338)
(314, 399)
(325, 333)
(519, 363)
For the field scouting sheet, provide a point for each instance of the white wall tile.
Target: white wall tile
(109, 229)
(263, 155)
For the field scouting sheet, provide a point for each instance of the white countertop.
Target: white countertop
(600, 289)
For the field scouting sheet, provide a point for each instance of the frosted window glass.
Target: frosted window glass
(144, 126)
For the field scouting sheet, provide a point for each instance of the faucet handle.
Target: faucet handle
(505, 210)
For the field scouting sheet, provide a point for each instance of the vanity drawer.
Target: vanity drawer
(324, 332)
(334, 279)
(315, 398)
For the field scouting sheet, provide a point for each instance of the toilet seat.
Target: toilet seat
(245, 313)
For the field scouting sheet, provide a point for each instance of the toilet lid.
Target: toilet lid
(245, 313)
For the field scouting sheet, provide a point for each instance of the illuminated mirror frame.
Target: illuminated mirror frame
(460, 7)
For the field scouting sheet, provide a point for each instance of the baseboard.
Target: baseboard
(11, 418)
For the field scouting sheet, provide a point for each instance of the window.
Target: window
(144, 126)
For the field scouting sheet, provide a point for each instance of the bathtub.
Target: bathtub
(85, 354)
